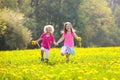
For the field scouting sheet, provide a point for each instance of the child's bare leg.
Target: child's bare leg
(62, 54)
(67, 56)
(42, 53)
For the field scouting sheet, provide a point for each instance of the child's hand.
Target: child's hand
(55, 44)
(79, 38)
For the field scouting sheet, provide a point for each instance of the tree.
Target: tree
(15, 34)
(98, 23)
(2, 28)
(117, 16)
(11, 4)
(113, 4)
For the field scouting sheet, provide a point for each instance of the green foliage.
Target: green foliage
(56, 13)
(117, 15)
(99, 23)
(16, 35)
(2, 28)
(93, 20)
(12, 4)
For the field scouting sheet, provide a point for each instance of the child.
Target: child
(47, 38)
(68, 37)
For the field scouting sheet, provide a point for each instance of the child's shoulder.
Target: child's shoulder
(43, 34)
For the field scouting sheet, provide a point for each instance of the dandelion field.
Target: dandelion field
(86, 64)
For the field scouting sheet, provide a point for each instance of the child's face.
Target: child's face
(68, 27)
(48, 30)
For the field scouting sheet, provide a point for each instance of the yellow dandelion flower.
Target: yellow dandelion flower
(79, 38)
(34, 42)
(80, 78)
(109, 71)
(25, 71)
(104, 78)
(62, 73)
(94, 78)
(113, 79)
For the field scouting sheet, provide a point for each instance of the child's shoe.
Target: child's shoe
(46, 60)
(42, 60)
(67, 60)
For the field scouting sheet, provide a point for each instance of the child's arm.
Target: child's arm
(61, 39)
(39, 39)
(75, 35)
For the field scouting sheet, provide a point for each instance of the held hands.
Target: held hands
(56, 44)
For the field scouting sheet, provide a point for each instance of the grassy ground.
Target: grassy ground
(86, 64)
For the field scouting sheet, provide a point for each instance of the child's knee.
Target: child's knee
(62, 54)
(42, 51)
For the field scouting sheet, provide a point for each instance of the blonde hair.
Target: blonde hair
(64, 28)
(48, 26)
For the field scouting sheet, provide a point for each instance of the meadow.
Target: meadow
(86, 64)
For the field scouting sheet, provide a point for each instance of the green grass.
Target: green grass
(86, 64)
